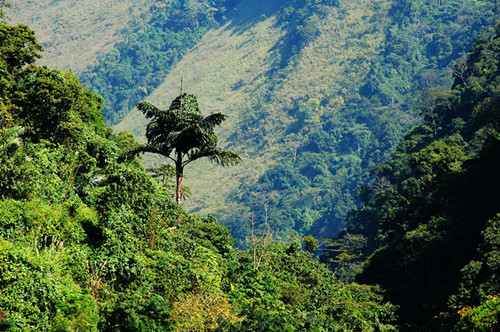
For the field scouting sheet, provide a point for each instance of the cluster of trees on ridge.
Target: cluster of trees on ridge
(339, 138)
(91, 243)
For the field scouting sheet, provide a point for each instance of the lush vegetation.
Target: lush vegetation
(183, 135)
(335, 87)
(328, 124)
(89, 243)
(428, 230)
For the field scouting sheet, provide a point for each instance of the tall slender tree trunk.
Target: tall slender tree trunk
(178, 164)
(178, 175)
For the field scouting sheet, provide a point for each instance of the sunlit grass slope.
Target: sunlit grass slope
(73, 31)
(226, 72)
(231, 71)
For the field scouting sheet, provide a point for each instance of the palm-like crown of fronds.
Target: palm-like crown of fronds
(183, 128)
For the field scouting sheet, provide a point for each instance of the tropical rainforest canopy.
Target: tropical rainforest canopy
(428, 229)
(91, 242)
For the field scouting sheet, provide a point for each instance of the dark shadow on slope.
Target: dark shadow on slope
(246, 14)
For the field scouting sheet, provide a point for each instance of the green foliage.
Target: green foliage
(480, 280)
(16, 57)
(345, 255)
(57, 102)
(482, 318)
(292, 292)
(183, 135)
(88, 243)
(205, 312)
(310, 243)
(183, 129)
(430, 217)
(9, 140)
(37, 292)
(212, 235)
(325, 135)
(302, 20)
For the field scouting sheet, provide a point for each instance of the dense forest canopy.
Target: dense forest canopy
(91, 243)
(428, 226)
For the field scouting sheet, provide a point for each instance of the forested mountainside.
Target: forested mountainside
(88, 243)
(428, 230)
(91, 242)
(317, 92)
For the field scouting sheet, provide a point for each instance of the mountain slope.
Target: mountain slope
(72, 32)
(229, 70)
(317, 92)
(311, 122)
(92, 243)
(428, 229)
(212, 70)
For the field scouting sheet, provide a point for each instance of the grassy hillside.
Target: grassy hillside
(72, 32)
(233, 55)
(229, 71)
